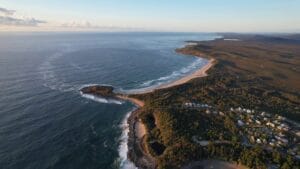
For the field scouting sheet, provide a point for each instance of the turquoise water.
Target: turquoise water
(44, 120)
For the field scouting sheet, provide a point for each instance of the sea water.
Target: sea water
(45, 122)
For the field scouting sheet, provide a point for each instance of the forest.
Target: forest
(244, 75)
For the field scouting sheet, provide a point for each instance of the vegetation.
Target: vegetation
(103, 91)
(256, 73)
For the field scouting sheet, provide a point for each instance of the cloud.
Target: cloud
(7, 11)
(11, 21)
(89, 26)
(8, 18)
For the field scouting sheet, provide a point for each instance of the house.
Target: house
(252, 139)
(281, 134)
(207, 111)
(257, 121)
(187, 104)
(281, 118)
(241, 123)
(250, 120)
(271, 124)
(258, 141)
(286, 128)
(264, 141)
(285, 141)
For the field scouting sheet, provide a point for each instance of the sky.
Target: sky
(151, 15)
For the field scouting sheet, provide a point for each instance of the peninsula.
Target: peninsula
(245, 113)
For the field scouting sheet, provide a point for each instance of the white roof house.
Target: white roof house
(258, 141)
(257, 121)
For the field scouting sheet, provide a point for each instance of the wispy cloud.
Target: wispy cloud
(89, 26)
(11, 21)
(8, 18)
(6, 11)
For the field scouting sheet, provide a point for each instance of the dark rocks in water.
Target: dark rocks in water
(104, 91)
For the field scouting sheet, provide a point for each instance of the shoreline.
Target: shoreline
(137, 131)
(196, 74)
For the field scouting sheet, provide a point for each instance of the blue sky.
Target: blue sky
(156, 15)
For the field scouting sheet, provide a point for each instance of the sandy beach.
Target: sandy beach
(140, 129)
(135, 101)
(199, 73)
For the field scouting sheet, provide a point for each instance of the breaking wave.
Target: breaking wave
(153, 84)
(101, 99)
(125, 163)
(176, 74)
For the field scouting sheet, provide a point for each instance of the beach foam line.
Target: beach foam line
(125, 163)
(101, 99)
(200, 72)
(151, 85)
(178, 73)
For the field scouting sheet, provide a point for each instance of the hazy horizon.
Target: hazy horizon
(271, 16)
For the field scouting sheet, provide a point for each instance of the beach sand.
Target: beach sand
(135, 101)
(140, 129)
(199, 73)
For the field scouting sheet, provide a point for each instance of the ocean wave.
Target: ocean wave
(153, 84)
(125, 163)
(101, 99)
(93, 84)
(174, 75)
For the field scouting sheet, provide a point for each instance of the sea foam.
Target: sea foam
(152, 84)
(101, 99)
(125, 163)
(176, 74)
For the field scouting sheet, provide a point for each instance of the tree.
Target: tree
(285, 166)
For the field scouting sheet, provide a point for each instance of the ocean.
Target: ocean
(44, 120)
